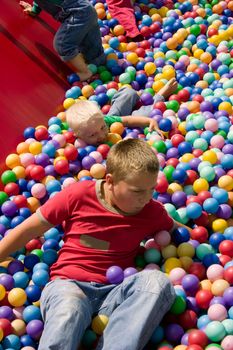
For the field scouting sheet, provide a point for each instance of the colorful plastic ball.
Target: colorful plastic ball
(115, 275)
(198, 270)
(219, 225)
(188, 319)
(178, 306)
(215, 272)
(165, 124)
(190, 283)
(173, 332)
(226, 248)
(163, 238)
(200, 234)
(99, 323)
(217, 312)
(228, 274)
(227, 343)
(215, 331)
(17, 297)
(194, 210)
(34, 328)
(219, 286)
(197, 337)
(176, 275)
(9, 208)
(203, 298)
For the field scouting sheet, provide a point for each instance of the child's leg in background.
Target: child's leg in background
(123, 102)
(123, 11)
(73, 32)
(66, 312)
(135, 308)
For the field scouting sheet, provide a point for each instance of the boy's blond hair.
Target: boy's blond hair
(81, 114)
(129, 157)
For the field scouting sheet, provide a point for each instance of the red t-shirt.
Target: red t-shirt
(96, 235)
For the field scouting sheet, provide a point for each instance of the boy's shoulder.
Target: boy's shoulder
(81, 186)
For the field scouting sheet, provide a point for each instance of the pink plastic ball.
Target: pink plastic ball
(152, 266)
(97, 156)
(217, 312)
(211, 124)
(227, 343)
(67, 182)
(38, 191)
(60, 139)
(217, 141)
(162, 238)
(169, 113)
(176, 275)
(80, 143)
(151, 244)
(215, 272)
(161, 160)
(27, 159)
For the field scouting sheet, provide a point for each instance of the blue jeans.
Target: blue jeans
(135, 308)
(79, 31)
(124, 100)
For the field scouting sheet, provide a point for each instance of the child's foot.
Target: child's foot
(137, 38)
(84, 76)
(168, 88)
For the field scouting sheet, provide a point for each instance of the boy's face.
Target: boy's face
(132, 194)
(95, 132)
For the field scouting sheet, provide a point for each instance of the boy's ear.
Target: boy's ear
(109, 181)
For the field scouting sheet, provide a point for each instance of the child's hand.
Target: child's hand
(153, 126)
(27, 8)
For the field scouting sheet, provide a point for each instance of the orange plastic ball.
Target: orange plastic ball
(117, 128)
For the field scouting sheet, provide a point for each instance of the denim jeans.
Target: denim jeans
(135, 308)
(79, 31)
(124, 101)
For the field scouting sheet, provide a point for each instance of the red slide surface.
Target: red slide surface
(32, 77)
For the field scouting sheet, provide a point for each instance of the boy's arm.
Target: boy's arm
(141, 122)
(18, 237)
(178, 224)
(31, 10)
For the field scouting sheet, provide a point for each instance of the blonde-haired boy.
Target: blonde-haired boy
(104, 222)
(89, 123)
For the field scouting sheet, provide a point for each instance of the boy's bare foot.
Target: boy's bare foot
(84, 76)
(168, 88)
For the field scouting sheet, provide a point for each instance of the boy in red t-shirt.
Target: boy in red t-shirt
(104, 223)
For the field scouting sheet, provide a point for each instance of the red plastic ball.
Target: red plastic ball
(230, 173)
(191, 177)
(192, 199)
(122, 38)
(197, 337)
(11, 189)
(226, 247)
(198, 269)
(112, 85)
(62, 167)
(145, 44)
(34, 243)
(37, 172)
(70, 152)
(203, 195)
(203, 219)
(175, 97)
(172, 161)
(145, 31)
(28, 170)
(224, 259)
(41, 134)
(194, 347)
(203, 298)
(140, 52)
(228, 274)
(20, 201)
(198, 98)
(200, 234)
(154, 28)
(188, 319)
(177, 139)
(103, 150)
(105, 109)
(200, 72)
(69, 136)
(184, 95)
(162, 185)
(203, 28)
(197, 152)
(161, 106)
(5, 325)
(212, 31)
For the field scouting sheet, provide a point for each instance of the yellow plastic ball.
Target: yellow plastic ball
(186, 262)
(98, 171)
(33, 204)
(35, 148)
(169, 73)
(219, 225)
(159, 54)
(58, 158)
(68, 102)
(118, 30)
(225, 106)
(113, 138)
(171, 263)
(180, 347)
(1, 334)
(226, 182)
(200, 185)
(122, 47)
(205, 285)
(219, 287)
(197, 53)
(87, 91)
(22, 147)
(47, 178)
(12, 160)
(169, 251)
(150, 68)
(182, 128)
(19, 172)
(2, 292)
(83, 173)
(132, 58)
(210, 156)
(117, 128)
(99, 323)
(185, 249)
(60, 153)
(17, 297)
(206, 57)
(174, 187)
(187, 157)
(157, 85)
(18, 327)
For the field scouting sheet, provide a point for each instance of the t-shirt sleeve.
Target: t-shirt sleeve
(60, 207)
(165, 221)
(110, 119)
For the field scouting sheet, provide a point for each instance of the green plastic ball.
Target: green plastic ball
(215, 331)
(168, 171)
(160, 146)
(173, 105)
(125, 78)
(202, 250)
(152, 255)
(105, 76)
(178, 306)
(8, 176)
(3, 197)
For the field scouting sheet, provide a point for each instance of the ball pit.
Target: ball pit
(189, 40)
